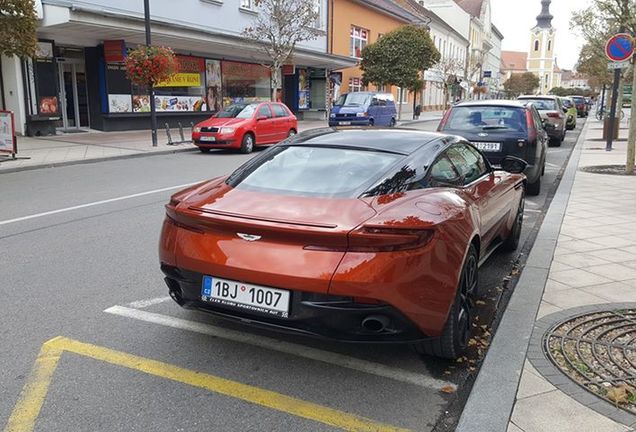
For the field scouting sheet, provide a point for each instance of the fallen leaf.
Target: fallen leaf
(618, 394)
(447, 389)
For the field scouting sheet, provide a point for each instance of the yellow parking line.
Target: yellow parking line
(32, 397)
(34, 392)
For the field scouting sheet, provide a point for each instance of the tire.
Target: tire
(534, 188)
(291, 133)
(204, 149)
(512, 242)
(454, 339)
(247, 144)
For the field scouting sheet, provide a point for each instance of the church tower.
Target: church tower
(541, 60)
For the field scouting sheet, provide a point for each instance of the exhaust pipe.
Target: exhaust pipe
(175, 291)
(375, 323)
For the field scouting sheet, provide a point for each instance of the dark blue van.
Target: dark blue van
(363, 109)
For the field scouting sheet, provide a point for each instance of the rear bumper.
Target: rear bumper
(322, 315)
(354, 121)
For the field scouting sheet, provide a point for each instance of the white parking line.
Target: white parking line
(95, 203)
(341, 360)
(141, 304)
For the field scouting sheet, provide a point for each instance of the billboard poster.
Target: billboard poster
(213, 85)
(7, 133)
(119, 103)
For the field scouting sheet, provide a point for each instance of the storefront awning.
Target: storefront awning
(84, 27)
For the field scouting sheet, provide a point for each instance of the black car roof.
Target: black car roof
(491, 102)
(403, 141)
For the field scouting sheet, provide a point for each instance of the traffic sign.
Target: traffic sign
(619, 47)
(617, 65)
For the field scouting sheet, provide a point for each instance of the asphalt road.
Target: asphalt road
(79, 261)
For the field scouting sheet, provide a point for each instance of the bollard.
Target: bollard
(170, 142)
(191, 129)
(181, 133)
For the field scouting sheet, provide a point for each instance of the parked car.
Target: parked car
(245, 125)
(363, 109)
(582, 107)
(553, 116)
(571, 113)
(501, 128)
(394, 224)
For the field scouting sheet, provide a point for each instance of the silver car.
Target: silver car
(552, 114)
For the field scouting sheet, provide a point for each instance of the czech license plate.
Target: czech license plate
(208, 139)
(344, 123)
(250, 297)
(488, 146)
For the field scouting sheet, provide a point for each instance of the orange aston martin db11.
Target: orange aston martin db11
(356, 235)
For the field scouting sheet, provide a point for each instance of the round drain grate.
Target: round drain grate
(598, 351)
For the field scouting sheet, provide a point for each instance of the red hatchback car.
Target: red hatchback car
(245, 125)
(355, 235)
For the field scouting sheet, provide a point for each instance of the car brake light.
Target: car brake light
(532, 130)
(555, 115)
(442, 124)
(387, 239)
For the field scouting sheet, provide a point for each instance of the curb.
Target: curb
(493, 395)
(408, 122)
(95, 160)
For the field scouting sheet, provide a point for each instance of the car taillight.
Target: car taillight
(555, 114)
(442, 124)
(387, 239)
(532, 130)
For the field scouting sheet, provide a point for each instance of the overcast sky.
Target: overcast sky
(515, 18)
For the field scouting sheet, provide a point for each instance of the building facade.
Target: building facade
(78, 81)
(354, 24)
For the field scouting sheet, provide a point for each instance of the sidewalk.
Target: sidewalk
(584, 255)
(94, 146)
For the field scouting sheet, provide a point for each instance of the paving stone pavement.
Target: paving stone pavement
(594, 263)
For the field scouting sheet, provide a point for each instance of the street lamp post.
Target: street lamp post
(151, 89)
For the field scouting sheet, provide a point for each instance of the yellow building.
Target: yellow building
(541, 57)
(354, 24)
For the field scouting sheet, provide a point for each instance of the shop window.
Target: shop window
(359, 39)
(355, 85)
(403, 95)
(245, 82)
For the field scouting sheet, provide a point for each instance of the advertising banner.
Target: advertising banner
(213, 85)
(181, 79)
(7, 133)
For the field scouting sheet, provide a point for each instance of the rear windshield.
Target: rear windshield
(567, 103)
(487, 118)
(578, 99)
(542, 104)
(313, 171)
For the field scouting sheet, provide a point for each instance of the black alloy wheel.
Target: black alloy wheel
(454, 339)
(512, 242)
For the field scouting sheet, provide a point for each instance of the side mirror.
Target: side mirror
(513, 165)
(259, 118)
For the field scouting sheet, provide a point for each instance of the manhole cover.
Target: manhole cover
(598, 351)
(606, 169)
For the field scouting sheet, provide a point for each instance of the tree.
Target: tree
(18, 26)
(399, 58)
(521, 83)
(279, 26)
(596, 23)
(448, 70)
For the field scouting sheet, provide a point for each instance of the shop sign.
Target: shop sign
(114, 51)
(288, 69)
(7, 133)
(182, 80)
(188, 64)
(244, 70)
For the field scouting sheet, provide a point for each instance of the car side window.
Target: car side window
(279, 111)
(470, 165)
(263, 110)
(443, 171)
(538, 124)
